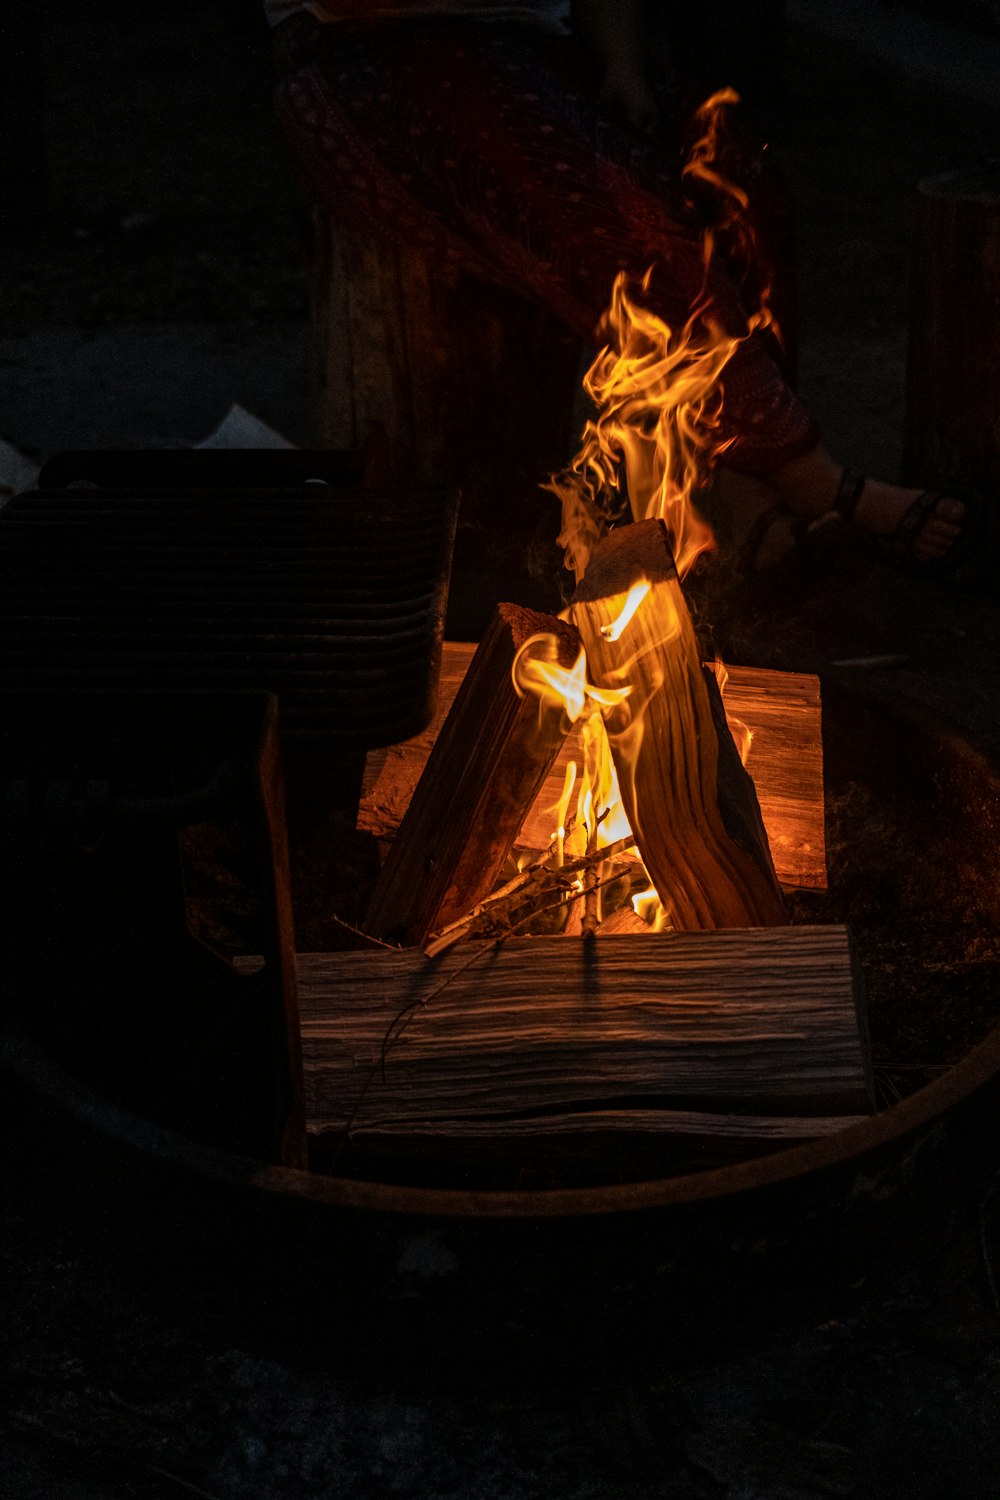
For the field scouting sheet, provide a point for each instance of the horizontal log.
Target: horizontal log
(587, 1146)
(761, 1021)
(781, 709)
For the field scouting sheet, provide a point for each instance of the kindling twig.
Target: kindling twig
(365, 936)
(540, 875)
(592, 879)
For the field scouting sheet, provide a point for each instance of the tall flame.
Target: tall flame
(655, 438)
(647, 453)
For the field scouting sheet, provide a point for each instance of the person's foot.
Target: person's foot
(815, 485)
(883, 509)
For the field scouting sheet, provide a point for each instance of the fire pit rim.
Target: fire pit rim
(22, 1057)
(57, 1088)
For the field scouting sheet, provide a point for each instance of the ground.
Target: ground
(167, 282)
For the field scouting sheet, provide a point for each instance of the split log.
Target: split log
(588, 1145)
(952, 427)
(692, 810)
(621, 921)
(781, 709)
(491, 756)
(762, 1021)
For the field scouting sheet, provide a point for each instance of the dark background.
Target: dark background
(151, 274)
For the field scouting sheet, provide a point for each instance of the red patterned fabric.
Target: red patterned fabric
(485, 146)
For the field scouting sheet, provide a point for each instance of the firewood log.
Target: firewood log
(584, 1146)
(491, 756)
(686, 803)
(781, 709)
(761, 1022)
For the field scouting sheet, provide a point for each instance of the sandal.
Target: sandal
(973, 559)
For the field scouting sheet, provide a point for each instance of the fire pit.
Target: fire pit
(435, 1275)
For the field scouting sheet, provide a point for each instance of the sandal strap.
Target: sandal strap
(849, 492)
(900, 543)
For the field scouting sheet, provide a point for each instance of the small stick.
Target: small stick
(365, 936)
(508, 895)
(592, 881)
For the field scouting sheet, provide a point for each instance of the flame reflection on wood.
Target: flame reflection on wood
(664, 741)
(782, 709)
(763, 1021)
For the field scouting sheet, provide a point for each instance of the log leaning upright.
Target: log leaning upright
(491, 757)
(707, 872)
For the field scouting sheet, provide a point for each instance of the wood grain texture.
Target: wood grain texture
(664, 738)
(485, 769)
(763, 1021)
(406, 342)
(782, 709)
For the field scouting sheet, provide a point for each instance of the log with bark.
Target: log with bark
(488, 762)
(781, 709)
(689, 803)
(757, 1022)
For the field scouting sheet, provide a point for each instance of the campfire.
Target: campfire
(578, 939)
(579, 929)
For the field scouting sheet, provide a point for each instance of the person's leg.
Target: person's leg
(811, 485)
(487, 147)
(483, 147)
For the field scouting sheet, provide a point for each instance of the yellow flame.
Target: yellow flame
(655, 439)
(616, 629)
(647, 905)
(538, 672)
(742, 733)
(556, 687)
(561, 809)
(647, 452)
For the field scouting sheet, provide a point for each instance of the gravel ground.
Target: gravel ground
(166, 282)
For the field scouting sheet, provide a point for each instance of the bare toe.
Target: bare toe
(940, 531)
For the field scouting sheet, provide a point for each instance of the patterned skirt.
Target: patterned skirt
(486, 146)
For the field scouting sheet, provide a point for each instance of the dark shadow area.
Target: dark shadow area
(153, 270)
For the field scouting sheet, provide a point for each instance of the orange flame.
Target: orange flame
(704, 154)
(654, 441)
(742, 733)
(647, 453)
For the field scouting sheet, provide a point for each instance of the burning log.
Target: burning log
(755, 1022)
(781, 709)
(690, 805)
(491, 756)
